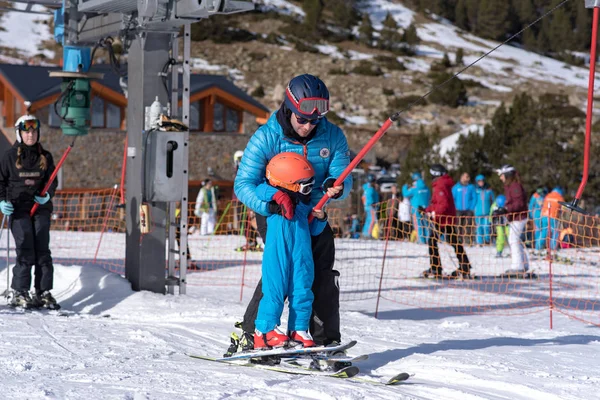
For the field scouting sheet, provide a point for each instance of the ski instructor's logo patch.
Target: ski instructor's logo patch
(324, 153)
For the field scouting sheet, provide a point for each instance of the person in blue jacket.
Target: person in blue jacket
(288, 267)
(464, 199)
(370, 202)
(535, 214)
(483, 203)
(300, 126)
(419, 195)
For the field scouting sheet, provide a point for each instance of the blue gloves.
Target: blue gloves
(6, 207)
(42, 200)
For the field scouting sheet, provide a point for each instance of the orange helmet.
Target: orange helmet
(291, 171)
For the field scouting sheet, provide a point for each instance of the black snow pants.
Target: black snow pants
(325, 320)
(32, 241)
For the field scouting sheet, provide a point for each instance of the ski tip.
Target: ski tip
(401, 377)
(347, 372)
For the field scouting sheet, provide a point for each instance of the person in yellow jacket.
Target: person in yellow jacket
(550, 210)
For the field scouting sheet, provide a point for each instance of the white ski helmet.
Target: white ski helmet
(507, 170)
(24, 124)
(237, 156)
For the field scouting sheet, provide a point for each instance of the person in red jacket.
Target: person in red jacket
(442, 213)
(516, 213)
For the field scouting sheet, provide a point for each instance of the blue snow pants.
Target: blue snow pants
(287, 271)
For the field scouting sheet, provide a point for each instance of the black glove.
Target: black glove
(421, 209)
(274, 208)
(500, 211)
(328, 184)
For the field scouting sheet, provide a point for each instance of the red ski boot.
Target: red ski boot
(303, 338)
(274, 338)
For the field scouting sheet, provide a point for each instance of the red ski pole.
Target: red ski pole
(52, 177)
(358, 159)
(588, 122)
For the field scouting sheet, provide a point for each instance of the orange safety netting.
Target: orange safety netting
(562, 253)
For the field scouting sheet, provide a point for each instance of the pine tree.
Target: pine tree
(365, 31)
(421, 154)
(492, 19)
(460, 55)
(343, 12)
(472, 9)
(389, 35)
(410, 36)
(583, 27)
(560, 31)
(452, 94)
(313, 11)
(460, 15)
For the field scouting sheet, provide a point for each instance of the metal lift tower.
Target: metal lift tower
(157, 162)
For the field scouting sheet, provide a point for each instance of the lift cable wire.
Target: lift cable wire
(396, 116)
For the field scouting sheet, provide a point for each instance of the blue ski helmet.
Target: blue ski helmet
(416, 176)
(558, 190)
(307, 96)
(500, 201)
(479, 178)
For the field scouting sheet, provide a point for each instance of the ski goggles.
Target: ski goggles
(29, 124)
(309, 105)
(304, 121)
(304, 187)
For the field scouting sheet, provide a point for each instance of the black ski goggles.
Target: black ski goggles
(304, 121)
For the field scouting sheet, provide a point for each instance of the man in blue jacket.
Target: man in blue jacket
(464, 200)
(299, 126)
(483, 204)
(419, 195)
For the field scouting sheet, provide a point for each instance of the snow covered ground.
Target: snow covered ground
(120, 344)
(21, 28)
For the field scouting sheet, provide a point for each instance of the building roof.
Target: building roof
(33, 82)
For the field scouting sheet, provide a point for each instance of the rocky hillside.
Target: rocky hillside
(377, 58)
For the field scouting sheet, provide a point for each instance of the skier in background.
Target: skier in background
(550, 210)
(498, 219)
(287, 268)
(515, 211)
(442, 214)
(300, 125)
(24, 171)
(370, 200)
(206, 208)
(484, 199)
(464, 199)
(535, 214)
(419, 196)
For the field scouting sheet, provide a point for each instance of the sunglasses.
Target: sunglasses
(304, 121)
(29, 124)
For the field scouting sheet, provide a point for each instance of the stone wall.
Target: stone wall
(96, 159)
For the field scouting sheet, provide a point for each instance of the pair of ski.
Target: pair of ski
(291, 357)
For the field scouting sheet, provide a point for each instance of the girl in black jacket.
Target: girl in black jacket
(24, 171)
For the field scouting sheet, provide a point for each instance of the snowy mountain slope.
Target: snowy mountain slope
(121, 344)
(23, 33)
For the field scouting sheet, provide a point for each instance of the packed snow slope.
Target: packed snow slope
(120, 344)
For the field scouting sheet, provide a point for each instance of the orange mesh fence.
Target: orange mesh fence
(562, 255)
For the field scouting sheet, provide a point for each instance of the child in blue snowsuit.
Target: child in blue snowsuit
(483, 203)
(419, 195)
(287, 270)
(370, 201)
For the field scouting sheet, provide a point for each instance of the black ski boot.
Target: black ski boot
(22, 299)
(242, 343)
(46, 300)
(460, 274)
(433, 273)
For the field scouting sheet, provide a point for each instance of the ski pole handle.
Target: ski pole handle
(52, 177)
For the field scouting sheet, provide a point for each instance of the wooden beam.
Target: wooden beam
(228, 97)
(109, 94)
